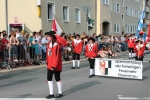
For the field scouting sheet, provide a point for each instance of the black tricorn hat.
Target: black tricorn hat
(137, 41)
(52, 34)
(77, 35)
(46, 33)
(91, 39)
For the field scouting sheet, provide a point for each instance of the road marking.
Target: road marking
(133, 98)
(25, 99)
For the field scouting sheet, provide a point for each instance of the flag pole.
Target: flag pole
(58, 23)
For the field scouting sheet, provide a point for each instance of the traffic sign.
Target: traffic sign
(87, 8)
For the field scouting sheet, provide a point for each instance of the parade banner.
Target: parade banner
(118, 68)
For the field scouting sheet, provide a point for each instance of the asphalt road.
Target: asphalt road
(76, 84)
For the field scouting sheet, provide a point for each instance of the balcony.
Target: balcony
(147, 8)
(147, 21)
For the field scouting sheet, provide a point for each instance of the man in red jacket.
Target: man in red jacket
(131, 44)
(77, 47)
(91, 50)
(54, 64)
(139, 50)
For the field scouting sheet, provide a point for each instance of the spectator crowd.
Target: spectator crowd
(24, 48)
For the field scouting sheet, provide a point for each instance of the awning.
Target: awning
(15, 24)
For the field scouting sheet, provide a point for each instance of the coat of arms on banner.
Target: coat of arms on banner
(105, 67)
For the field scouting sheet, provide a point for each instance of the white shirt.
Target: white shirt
(17, 35)
(122, 39)
(38, 40)
(44, 40)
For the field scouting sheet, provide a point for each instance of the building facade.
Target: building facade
(111, 16)
(34, 15)
(121, 16)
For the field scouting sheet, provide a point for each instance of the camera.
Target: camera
(35, 40)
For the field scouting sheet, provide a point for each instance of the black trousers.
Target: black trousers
(21, 52)
(92, 62)
(32, 52)
(50, 75)
(76, 55)
(140, 58)
(131, 50)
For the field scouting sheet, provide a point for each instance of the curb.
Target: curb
(32, 67)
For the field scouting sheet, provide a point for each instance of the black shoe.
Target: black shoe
(50, 96)
(73, 68)
(90, 76)
(93, 75)
(59, 95)
(78, 67)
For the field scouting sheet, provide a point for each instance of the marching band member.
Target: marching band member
(54, 64)
(77, 47)
(91, 52)
(130, 40)
(139, 49)
(147, 44)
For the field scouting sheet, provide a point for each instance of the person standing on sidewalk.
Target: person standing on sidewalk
(77, 47)
(54, 65)
(91, 52)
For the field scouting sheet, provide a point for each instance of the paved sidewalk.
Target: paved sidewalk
(44, 66)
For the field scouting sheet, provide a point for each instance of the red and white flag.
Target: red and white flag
(148, 34)
(56, 27)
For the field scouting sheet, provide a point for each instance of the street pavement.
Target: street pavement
(31, 83)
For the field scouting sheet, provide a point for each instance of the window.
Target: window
(132, 12)
(137, 0)
(106, 2)
(111, 6)
(77, 15)
(122, 20)
(116, 27)
(136, 14)
(131, 29)
(122, 3)
(127, 28)
(128, 11)
(51, 10)
(66, 13)
(117, 7)
(135, 28)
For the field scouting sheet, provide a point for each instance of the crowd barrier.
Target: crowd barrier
(21, 55)
(16, 56)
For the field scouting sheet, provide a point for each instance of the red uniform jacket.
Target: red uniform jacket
(147, 39)
(4, 41)
(131, 42)
(91, 50)
(77, 46)
(61, 40)
(54, 56)
(141, 51)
